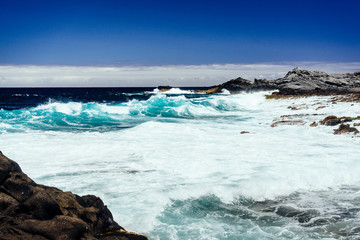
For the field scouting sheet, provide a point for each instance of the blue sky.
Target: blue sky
(110, 32)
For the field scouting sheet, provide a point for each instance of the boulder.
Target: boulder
(345, 128)
(32, 211)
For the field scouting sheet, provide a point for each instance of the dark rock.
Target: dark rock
(345, 128)
(300, 81)
(60, 227)
(330, 121)
(302, 216)
(333, 120)
(164, 88)
(240, 84)
(42, 205)
(33, 211)
(18, 185)
(243, 132)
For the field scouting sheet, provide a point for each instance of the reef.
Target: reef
(33, 211)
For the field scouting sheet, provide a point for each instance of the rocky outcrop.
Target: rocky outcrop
(297, 82)
(32, 211)
(164, 88)
(240, 84)
(300, 81)
(345, 128)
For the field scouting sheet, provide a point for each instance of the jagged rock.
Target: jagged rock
(345, 128)
(240, 84)
(33, 211)
(300, 81)
(296, 82)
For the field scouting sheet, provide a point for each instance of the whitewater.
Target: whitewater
(176, 165)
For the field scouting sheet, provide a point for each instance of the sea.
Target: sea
(186, 165)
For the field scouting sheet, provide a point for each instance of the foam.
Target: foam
(140, 171)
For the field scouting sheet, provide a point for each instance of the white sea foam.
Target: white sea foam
(139, 171)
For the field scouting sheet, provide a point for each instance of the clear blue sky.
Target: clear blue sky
(110, 32)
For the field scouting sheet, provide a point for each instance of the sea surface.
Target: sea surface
(175, 165)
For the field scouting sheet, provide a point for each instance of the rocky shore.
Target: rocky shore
(32, 211)
(297, 82)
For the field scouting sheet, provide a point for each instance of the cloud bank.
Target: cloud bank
(152, 76)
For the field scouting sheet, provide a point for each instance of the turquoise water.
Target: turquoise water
(175, 166)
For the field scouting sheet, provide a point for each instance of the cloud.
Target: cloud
(151, 76)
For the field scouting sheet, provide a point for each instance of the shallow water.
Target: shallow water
(175, 166)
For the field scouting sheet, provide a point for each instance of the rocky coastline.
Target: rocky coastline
(33, 211)
(304, 83)
(296, 82)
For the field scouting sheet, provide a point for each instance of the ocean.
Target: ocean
(186, 165)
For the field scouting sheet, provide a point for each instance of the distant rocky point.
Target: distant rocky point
(295, 82)
(33, 211)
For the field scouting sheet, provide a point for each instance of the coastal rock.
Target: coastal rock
(288, 122)
(240, 84)
(300, 81)
(345, 128)
(32, 211)
(333, 120)
(164, 88)
(313, 124)
(244, 132)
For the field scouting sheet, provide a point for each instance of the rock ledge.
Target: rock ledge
(33, 211)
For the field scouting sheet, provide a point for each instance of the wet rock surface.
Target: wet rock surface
(345, 128)
(33, 211)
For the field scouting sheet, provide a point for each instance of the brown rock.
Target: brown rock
(314, 124)
(60, 227)
(330, 121)
(333, 120)
(33, 211)
(243, 132)
(345, 128)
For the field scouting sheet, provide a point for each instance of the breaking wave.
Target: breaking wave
(95, 116)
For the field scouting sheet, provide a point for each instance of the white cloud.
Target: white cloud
(151, 76)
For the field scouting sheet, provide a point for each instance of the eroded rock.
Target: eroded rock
(33, 211)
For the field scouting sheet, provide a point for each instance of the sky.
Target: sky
(120, 33)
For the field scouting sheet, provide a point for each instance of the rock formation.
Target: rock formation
(300, 81)
(33, 211)
(345, 128)
(240, 84)
(297, 82)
